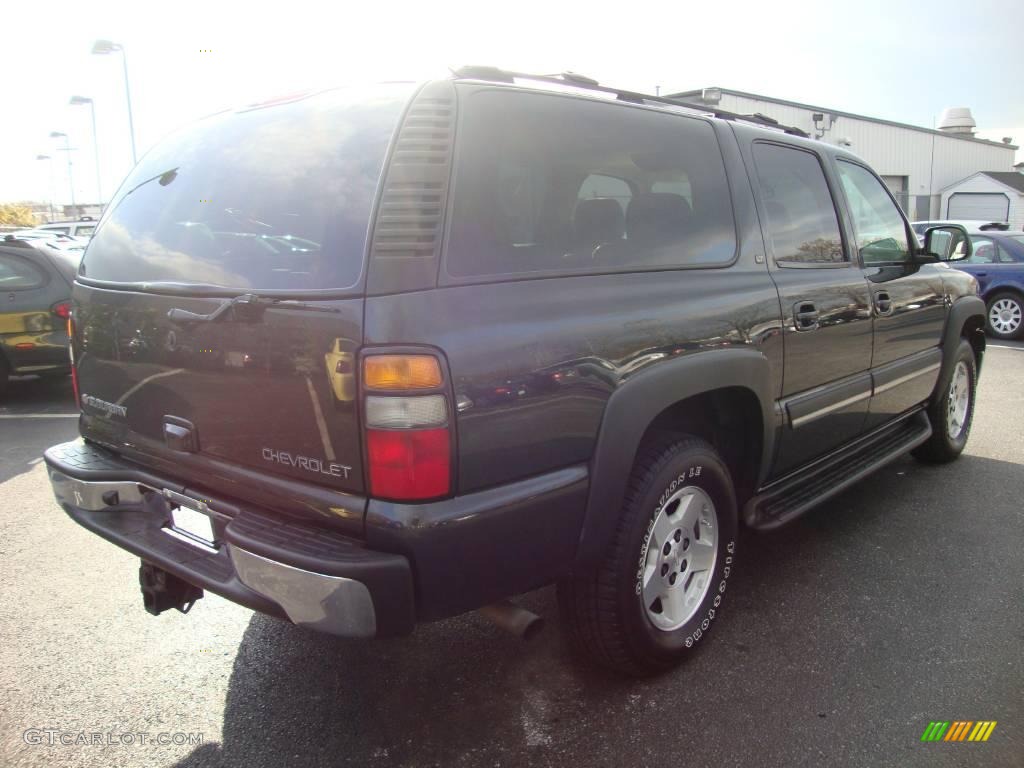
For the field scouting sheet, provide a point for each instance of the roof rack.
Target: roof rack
(576, 80)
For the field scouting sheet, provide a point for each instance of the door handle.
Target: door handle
(805, 316)
(883, 303)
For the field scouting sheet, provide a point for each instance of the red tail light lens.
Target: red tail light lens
(62, 310)
(408, 464)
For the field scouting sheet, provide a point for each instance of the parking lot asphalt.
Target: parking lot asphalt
(897, 603)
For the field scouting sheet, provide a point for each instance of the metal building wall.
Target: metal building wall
(930, 161)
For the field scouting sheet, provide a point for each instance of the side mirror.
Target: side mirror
(948, 243)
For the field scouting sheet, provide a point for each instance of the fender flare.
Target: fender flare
(963, 309)
(633, 407)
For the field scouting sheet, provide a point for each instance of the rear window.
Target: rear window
(553, 183)
(272, 197)
(17, 274)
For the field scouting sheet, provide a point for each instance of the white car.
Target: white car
(971, 225)
(83, 227)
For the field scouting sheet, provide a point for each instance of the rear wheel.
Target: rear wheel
(952, 410)
(1005, 318)
(5, 373)
(654, 594)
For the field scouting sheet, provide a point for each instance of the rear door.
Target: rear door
(825, 304)
(271, 203)
(909, 299)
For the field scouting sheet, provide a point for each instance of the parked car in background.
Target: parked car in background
(83, 227)
(998, 264)
(35, 304)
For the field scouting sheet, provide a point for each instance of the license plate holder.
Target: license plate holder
(192, 518)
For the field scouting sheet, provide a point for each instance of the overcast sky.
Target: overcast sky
(895, 59)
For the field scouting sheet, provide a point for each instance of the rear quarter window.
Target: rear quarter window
(551, 183)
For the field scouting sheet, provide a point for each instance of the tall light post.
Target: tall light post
(47, 157)
(77, 101)
(71, 178)
(103, 47)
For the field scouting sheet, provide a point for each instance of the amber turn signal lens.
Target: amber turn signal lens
(401, 372)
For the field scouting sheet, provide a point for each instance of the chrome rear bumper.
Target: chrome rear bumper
(278, 565)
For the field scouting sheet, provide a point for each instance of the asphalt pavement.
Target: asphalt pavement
(898, 603)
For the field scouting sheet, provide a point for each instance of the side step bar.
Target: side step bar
(787, 499)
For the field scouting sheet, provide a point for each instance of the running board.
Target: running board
(787, 499)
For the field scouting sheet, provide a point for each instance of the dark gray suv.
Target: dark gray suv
(369, 357)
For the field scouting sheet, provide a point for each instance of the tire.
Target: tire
(1004, 316)
(610, 611)
(951, 426)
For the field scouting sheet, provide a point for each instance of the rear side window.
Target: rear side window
(547, 183)
(275, 196)
(801, 218)
(17, 274)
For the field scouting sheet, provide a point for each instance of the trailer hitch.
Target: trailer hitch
(162, 591)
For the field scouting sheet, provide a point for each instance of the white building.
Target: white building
(987, 195)
(916, 163)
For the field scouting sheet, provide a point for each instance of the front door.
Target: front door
(826, 305)
(909, 299)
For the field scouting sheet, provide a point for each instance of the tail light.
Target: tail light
(408, 433)
(62, 310)
(71, 356)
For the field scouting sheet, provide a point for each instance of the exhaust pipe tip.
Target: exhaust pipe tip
(515, 620)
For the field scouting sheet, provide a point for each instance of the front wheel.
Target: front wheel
(952, 410)
(652, 597)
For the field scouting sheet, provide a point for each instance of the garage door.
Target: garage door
(989, 206)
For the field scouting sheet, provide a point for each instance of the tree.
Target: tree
(16, 215)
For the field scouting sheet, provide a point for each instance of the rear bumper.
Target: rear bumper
(417, 562)
(283, 567)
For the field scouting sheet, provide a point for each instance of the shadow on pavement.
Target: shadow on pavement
(459, 692)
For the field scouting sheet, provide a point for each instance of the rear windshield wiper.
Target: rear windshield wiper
(249, 307)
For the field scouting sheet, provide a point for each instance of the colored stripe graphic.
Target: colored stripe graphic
(958, 730)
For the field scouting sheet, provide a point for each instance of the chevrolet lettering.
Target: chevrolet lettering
(306, 463)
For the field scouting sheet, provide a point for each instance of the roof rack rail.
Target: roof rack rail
(574, 79)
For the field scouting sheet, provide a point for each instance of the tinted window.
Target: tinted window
(802, 223)
(276, 196)
(881, 233)
(596, 185)
(984, 251)
(553, 183)
(17, 274)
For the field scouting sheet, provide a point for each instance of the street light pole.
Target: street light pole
(47, 157)
(103, 47)
(77, 101)
(71, 178)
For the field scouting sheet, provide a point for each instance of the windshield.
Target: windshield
(270, 197)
